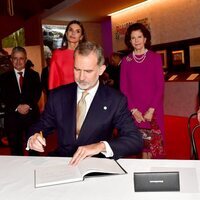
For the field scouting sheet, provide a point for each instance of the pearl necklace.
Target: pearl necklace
(140, 59)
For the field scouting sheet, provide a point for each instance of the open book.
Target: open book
(65, 173)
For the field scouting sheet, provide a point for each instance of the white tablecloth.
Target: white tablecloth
(17, 181)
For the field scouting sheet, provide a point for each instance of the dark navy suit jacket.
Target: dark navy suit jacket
(108, 110)
(11, 96)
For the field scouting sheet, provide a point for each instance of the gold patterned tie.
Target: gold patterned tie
(80, 114)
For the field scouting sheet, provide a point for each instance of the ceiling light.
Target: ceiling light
(128, 8)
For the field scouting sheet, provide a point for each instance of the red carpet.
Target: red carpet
(177, 138)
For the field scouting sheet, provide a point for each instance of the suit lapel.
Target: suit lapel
(15, 82)
(26, 80)
(26, 75)
(69, 107)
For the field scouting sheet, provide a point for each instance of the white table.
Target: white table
(17, 181)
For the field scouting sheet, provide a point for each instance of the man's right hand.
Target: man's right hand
(37, 142)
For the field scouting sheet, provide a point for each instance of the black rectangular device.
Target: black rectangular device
(156, 181)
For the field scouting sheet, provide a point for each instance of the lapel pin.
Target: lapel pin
(105, 107)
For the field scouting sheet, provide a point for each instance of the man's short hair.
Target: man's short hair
(85, 48)
(18, 49)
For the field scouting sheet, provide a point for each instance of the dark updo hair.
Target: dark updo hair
(64, 41)
(135, 27)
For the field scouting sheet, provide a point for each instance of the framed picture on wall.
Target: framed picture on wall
(178, 57)
(195, 55)
(163, 54)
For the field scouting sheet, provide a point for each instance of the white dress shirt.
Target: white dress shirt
(89, 98)
(18, 76)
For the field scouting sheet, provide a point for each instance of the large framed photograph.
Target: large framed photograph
(194, 56)
(163, 54)
(178, 57)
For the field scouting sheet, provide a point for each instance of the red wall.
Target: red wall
(9, 25)
(33, 31)
(32, 27)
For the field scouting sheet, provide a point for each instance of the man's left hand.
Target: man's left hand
(87, 151)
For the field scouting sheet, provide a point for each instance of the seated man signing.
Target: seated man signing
(85, 113)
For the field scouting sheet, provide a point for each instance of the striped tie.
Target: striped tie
(81, 110)
(21, 78)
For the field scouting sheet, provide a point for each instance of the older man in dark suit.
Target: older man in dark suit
(20, 92)
(104, 110)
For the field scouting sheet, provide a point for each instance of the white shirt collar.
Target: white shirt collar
(16, 72)
(91, 91)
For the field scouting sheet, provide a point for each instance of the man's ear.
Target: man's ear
(102, 69)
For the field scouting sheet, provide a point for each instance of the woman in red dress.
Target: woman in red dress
(62, 65)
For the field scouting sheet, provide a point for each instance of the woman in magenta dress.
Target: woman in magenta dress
(142, 80)
(62, 65)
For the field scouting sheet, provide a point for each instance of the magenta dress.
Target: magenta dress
(143, 84)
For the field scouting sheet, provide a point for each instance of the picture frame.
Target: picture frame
(194, 55)
(178, 57)
(163, 54)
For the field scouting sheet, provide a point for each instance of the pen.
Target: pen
(41, 134)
